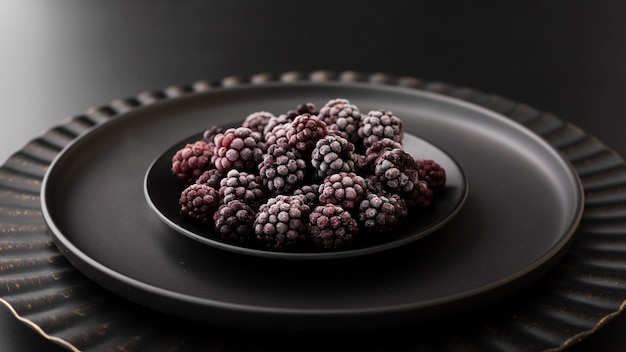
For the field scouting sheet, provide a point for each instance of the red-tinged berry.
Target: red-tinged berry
(431, 172)
(421, 196)
(238, 148)
(192, 160)
(304, 132)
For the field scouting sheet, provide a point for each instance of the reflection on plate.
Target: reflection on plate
(162, 190)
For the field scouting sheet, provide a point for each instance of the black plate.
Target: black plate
(162, 190)
(519, 218)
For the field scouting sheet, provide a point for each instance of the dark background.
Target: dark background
(58, 58)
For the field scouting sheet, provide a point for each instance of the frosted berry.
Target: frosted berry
(341, 115)
(233, 222)
(332, 227)
(238, 148)
(304, 108)
(282, 169)
(345, 189)
(257, 121)
(331, 155)
(310, 192)
(198, 202)
(381, 213)
(281, 223)
(374, 152)
(192, 160)
(397, 171)
(304, 132)
(379, 124)
(210, 133)
(242, 186)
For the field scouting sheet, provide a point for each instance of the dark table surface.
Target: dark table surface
(61, 57)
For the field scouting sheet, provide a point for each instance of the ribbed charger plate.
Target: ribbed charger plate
(583, 292)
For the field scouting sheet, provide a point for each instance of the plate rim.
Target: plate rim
(95, 115)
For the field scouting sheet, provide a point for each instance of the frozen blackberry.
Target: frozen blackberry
(211, 178)
(304, 132)
(310, 192)
(278, 135)
(276, 121)
(431, 172)
(374, 152)
(379, 124)
(373, 185)
(332, 227)
(421, 196)
(341, 115)
(304, 108)
(282, 169)
(397, 171)
(234, 221)
(331, 155)
(210, 133)
(198, 202)
(242, 186)
(257, 121)
(192, 160)
(381, 213)
(238, 148)
(345, 189)
(281, 223)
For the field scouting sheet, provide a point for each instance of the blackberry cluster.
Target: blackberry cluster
(238, 148)
(379, 124)
(192, 160)
(341, 115)
(305, 180)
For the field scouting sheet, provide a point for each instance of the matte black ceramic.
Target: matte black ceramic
(518, 220)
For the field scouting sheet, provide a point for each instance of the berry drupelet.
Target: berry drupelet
(234, 221)
(333, 154)
(345, 189)
(281, 223)
(379, 124)
(397, 171)
(341, 115)
(198, 202)
(332, 227)
(381, 213)
(192, 160)
(304, 132)
(242, 186)
(238, 148)
(282, 169)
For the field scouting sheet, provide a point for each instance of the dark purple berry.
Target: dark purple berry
(431, 172)
(257, 121)
(198, 202)
(233, 222)
(242, 186)
(281, 223)
(332, 227)
(305, 131)
(331, 155)
(282, 169)
(345, 189)
(238, 148)
(341, 115)
(397, 171)
(381, 213)
(379, 124)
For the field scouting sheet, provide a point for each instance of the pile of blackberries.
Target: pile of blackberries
(305, 180)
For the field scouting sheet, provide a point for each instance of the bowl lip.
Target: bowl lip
(312, 255)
